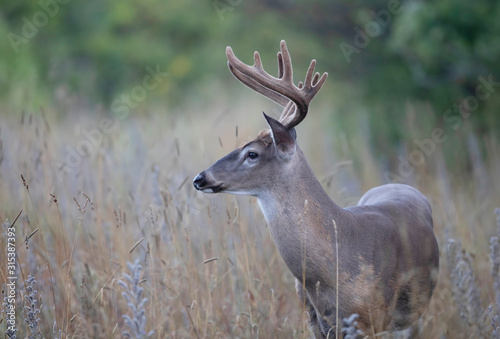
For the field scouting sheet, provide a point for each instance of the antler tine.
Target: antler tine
(309, 74)
(287, 63)
(249, 82)
(281, 90)
(244, 72)
(280, 65)
(315, 79)
(257, 63)
(320, 82)
(288, 113)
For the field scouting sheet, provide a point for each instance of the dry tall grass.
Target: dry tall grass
(203, 266)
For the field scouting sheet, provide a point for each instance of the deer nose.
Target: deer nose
(200, 181)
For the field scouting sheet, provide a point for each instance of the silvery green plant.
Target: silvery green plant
(31, 309)
(495, 273)
(464, 286)
(132, 293)
(350, 328)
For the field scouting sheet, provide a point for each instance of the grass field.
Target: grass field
(108, 216)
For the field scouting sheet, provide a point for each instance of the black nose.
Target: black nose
(200, 181)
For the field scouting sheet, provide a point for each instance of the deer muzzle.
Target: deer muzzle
(203, 183)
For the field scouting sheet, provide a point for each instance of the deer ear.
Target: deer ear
(283, 138)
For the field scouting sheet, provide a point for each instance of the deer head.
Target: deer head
(252, 168)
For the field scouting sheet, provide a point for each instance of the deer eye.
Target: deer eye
(252, 155)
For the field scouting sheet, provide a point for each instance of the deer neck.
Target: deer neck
(300, 215)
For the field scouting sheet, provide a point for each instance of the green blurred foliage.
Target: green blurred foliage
(426, 53)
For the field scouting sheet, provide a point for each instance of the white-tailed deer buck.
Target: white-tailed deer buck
(379, 259)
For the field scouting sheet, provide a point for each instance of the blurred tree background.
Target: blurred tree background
(383, 56)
